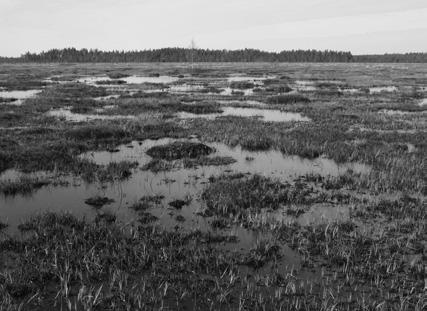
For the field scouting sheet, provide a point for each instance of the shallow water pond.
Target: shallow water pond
(108, 97)
(423, 102)
(243, 78)
(130, 79)
(18, 95)
(305, 86)
(228, 91)
(64, 113)
(175, 184)
(179, 184)
(391, 112)
(183, 88)
(267, 115)
(382, 89)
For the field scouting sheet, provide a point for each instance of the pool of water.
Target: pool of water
(305, 86)
(130, 80)
(382, 89)
(179, 184)
(228, 91)
(64, 113)
(20, 96)
(183, 88)
(423, 102)
(350, 90)
(101, 98)
(175, 184)
(398, 112)
(267, 115)
(243, 78)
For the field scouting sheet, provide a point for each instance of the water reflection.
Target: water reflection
(267, 115)
(175, 184)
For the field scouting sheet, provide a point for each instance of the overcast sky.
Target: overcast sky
(359, 26)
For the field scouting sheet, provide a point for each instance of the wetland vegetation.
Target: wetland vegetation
(223, 187)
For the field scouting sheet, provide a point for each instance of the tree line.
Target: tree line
(72, 55)
(392, 58)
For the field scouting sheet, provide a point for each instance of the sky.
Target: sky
(359, 26)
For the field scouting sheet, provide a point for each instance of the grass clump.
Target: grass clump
(97, 132)
(3, 225)
(263, 252)
(242, 85)
(98, 201)
(201, 108)
(241, 197)
(117, 75)
(179, 150)
(287, 99)
(161, 130)
(255, 143)
(147, 202)
(110, 82)
(179, 204)
(7, 100)
(278, 89)
(23, 186)
(158, 165)
(114, 171)
(72, 91)
(208, 161)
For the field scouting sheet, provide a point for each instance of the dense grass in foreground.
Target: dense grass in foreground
(103, 266)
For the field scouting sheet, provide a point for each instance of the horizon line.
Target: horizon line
(209, 49)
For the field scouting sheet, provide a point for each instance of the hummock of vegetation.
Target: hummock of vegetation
(117, 75)
(179, 150)
(98, 201)
(286, 99)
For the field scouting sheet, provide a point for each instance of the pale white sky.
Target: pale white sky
(359, 26)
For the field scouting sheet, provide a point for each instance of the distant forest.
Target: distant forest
(72, 55)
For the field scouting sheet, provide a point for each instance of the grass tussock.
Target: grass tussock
(179, 150)
(241, 197)
(287, 99)
(23, 186)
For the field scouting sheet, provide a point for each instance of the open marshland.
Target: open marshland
(219, 187)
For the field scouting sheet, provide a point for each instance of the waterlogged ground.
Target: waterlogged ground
(249, 186)
(176, 183)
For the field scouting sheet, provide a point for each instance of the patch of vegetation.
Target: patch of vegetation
(114, 171)
(241, 197)
(146, 218)
(161, 130)
(159, 165)
(110, 82)
(179, 150)
(98, 201)
(7, 100)
(201, 108)
(23, 186)
(117, 75)
(97, 132)
(287, 99)
(3, 225)
(263, 252)
(147, 202)
(179, 204)
(255, 143)
(207, 161)
(242, 85)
